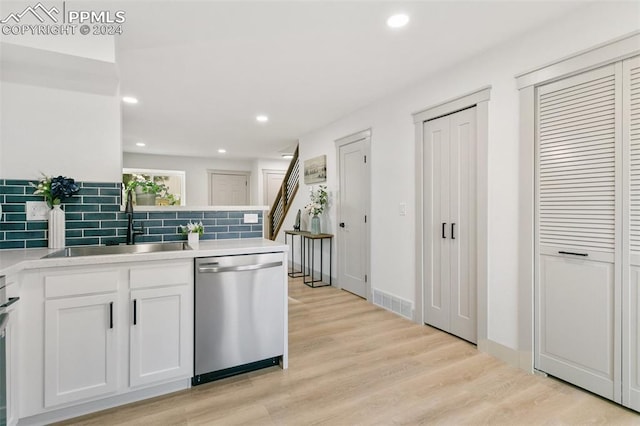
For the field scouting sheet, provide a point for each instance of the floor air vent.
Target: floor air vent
(394, 304)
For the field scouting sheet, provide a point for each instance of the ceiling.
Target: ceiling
(203, 70)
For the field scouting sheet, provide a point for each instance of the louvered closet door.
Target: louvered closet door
(631, 298)
(578, 322)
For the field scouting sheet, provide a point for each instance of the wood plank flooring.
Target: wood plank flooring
(353, 363)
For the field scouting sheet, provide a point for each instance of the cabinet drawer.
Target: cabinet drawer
(161, 275)
(80, 283)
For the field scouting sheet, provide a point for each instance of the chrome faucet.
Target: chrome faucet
(131, 230)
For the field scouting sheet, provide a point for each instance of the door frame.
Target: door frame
(246, 173)
(603, 54)
(480, 99)
(364, 135)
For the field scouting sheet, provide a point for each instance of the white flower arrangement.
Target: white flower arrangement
(192, 228)
(319, 200)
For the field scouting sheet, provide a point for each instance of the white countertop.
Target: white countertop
(12, 261)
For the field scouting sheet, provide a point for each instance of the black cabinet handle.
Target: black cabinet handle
(111, 315)
(135, 311)
(573, 253)
(341, 225)
(444, 225)
(453, 235)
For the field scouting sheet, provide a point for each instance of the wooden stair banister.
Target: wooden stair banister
(285, 196)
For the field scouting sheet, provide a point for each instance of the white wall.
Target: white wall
(53, 131)
(197, 184)
(59, 108)
(392, 154)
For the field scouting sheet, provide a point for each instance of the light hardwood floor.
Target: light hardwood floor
(353, 363)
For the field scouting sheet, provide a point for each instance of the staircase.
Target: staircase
(285, 197)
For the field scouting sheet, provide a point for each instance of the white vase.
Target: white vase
(56, 228)
(193, 238)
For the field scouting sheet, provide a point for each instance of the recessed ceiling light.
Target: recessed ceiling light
(129, 100)
(222, 151)
(287, 156)
(398, 21)
(262, 118)
(141, 144)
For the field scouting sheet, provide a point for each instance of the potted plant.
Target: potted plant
(146, 190)
(193, 231)
(55, 190)
(319, 200)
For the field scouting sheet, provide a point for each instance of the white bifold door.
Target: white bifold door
(450, 223)
(631, 274)
(586, 314)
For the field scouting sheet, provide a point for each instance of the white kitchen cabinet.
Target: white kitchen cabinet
(80, 337)
(161, 342)
(80, 348)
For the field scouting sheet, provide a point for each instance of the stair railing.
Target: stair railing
(284, 198)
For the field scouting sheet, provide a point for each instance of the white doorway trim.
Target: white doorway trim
(211, 172)
(480, 99)
(364, 135)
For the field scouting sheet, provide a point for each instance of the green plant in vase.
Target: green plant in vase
(319, 201)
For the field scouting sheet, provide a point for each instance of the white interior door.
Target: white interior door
(450, 263)
(631, 298)
(578, 285)
(462, 227)
(272, 184)
(228, 189)
(438, 289)
(352, 214)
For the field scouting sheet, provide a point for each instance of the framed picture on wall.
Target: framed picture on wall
(315, 170)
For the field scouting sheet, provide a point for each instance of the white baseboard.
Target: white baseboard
(513, 357)
(526, 361)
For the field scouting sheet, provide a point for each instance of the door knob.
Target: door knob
(341, 225)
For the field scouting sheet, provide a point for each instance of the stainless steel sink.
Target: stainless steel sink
(120, 249)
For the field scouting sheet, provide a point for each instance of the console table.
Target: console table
(292, 272)
(308, 249)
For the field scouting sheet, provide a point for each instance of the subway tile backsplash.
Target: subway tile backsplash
(93, 217)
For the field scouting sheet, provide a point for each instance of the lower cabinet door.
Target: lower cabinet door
(80, 348)
(161, 345)
(577, 324)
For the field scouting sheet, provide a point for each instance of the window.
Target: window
(153, 187)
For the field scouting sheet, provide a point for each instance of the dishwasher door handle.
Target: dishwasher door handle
(239, 268)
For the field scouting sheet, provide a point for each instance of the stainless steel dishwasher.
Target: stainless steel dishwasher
(239, 314)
